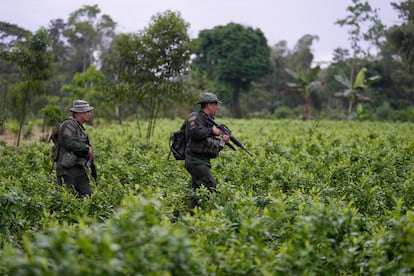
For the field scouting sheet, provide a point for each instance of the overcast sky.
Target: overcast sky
(278, 19)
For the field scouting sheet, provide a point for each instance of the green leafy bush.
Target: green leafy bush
(317, 198)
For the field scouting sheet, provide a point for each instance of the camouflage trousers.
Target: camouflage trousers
(200, 176)
(78, 183)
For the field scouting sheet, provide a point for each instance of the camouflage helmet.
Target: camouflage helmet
(208, 98)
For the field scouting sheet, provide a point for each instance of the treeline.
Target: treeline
(160, 71)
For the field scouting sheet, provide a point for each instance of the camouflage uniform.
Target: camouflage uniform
(202, 145)
(73, 139)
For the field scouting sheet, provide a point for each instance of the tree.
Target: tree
(9, 35)
(164, 55)
(51, 116)
(402, 37)
(274, 82)
(306, 83)
(86, 85)
(89, 35)
(149, 65)
(233, 56)
(365, 25)
(301, 56)
(33, 58)
(122, 69)
(59, 47)
(10, 32)
(363, 15)
(353, 90)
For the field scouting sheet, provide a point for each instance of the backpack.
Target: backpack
(178, 143)
(54, 136)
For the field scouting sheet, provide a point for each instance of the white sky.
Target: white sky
(278, 19)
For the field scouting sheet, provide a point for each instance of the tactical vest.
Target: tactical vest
(208, 147)
(75, 128)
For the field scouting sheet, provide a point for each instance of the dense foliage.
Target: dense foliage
(234, 56)
(146, 74)
(317, 198)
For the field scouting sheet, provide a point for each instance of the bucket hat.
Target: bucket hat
(80, 106)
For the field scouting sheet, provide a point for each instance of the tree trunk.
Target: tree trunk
(350, 107)
(20, 128)
(235, 105)
(22, 115)
(138, 124)
(118, 114)
(307, 107)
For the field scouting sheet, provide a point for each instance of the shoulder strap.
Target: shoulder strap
(74, 122)
(69, 119)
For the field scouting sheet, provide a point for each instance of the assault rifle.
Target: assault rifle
(225, 130)
(91, 164)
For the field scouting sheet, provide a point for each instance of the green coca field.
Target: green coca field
(316, 198)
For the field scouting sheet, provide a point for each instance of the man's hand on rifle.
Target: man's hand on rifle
(91, 164)
(90, 153)
(226, 138)
(218, 132)
(226, 134)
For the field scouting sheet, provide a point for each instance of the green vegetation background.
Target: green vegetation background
(317, 198)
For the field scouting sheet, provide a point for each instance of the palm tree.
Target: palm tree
(306, 83)
(353, 91)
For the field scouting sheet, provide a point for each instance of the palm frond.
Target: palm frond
(342, 79)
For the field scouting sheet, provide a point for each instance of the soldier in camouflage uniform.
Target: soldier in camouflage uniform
(202, 144)
(74, 150)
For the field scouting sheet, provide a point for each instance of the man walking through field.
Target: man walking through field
(202, 144)
(75, 150)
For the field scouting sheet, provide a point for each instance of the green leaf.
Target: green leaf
(360, 79)
(370, 81)
(293, 84)
(341, 78)
(292, 73)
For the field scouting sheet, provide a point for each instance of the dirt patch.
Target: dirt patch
(10, 138)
